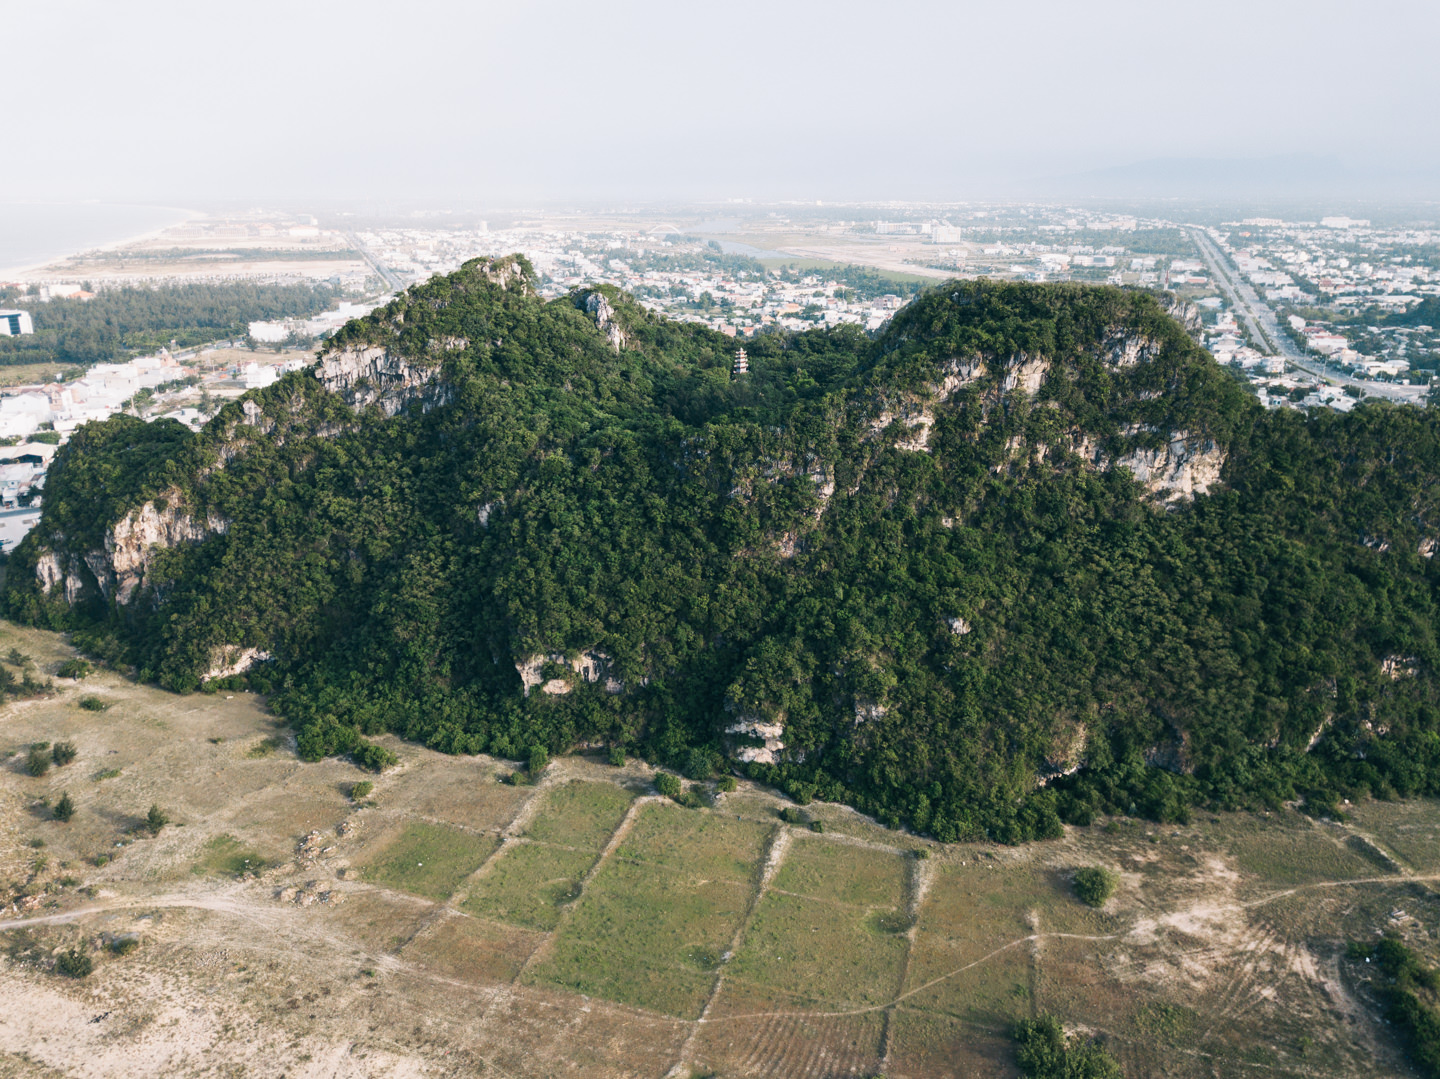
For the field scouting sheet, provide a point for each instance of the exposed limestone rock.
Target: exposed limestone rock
(917, 419)
(599, 309)
(770, 733)
(958, 626)
(1123, 349)
(592, 665)
(1183, 312)
(1025, 373)
(957, 373)
(376, 376)
(1398, 666)
(484, 515)
(121, 566)
(1428, 546)
(229, 660)
(918, 440)
(49, 572)
(1181, 469)
(129, 546)
(865, 711)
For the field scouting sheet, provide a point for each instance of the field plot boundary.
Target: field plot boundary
(774, 857)
(617, 837)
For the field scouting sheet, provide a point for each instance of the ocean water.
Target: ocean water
(36, 232)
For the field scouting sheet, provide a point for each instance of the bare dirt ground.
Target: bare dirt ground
(326, 954)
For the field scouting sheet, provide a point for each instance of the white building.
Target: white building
(14, 322)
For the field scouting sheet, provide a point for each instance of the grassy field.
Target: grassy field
(654, 923)
(582, 816)
(529, 884)
(594, 941)
(226, 856)
(429, 859)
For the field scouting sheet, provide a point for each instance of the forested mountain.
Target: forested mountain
(1026, 555)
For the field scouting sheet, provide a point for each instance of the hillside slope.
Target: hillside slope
(1027, 555)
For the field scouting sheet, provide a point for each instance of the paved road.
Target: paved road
(386, 274)
(1259, 318)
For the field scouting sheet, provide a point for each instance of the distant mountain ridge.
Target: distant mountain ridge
(1024, 556)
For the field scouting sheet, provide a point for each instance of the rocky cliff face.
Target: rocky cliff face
(600, 309)
(1186, 466)
(374, 375)
(122, 564)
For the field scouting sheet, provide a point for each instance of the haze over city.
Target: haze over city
(518, 104)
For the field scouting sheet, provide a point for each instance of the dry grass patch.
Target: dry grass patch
(473, 950)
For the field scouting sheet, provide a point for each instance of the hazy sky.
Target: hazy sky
(525, 102)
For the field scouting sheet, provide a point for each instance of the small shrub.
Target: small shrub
(37, 763)
(514, 779)
(102, 859)
(68, 881)
(922, 852)
(817, 825)
(375, 758)
(726, 784)
(92, 703)
(794, 815)
(73, 668)
(155, 820)
(74, 964)
(263, 748)
(361, 790)
(539, 760)
(700, 764)
(668, 785)
(617, 756)
(65, 808)
(63, 753)
(108, 773)
(124, 945)
(1094, 885)
(17, 658)
(37, 843)
(691, 799)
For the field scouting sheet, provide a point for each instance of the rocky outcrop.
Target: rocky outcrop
(50, 573)
(767, 733)
(1122, 348)
(591, 665)
(957, 373)
(1186, 466)
(123, 563)
(1183, 312)
(364, 376)
(228, 660)
(599, 309)
(1025, 373)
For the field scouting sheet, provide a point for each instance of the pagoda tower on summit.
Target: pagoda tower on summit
(742, 362)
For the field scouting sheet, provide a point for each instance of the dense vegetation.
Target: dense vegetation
(1273, 640)
(121, 321)
(1410, 994)
(1044, 1052)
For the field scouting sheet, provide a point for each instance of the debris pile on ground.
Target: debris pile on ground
(309, 894)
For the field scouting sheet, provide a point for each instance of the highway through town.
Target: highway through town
(392, 281)
(1259, 318)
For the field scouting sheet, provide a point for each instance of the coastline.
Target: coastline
(53, 263)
